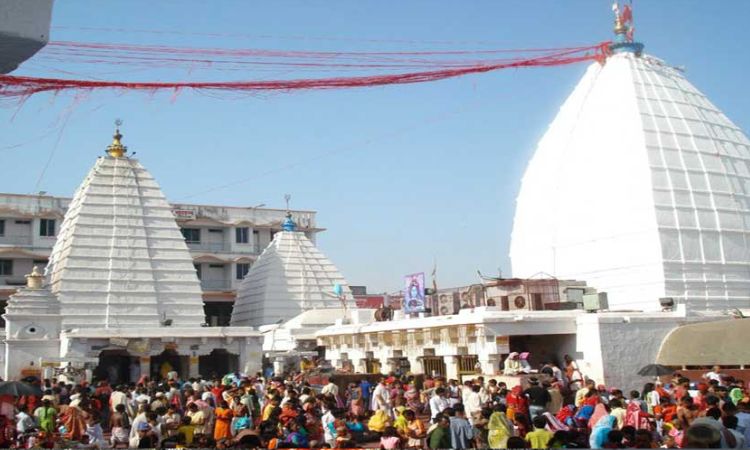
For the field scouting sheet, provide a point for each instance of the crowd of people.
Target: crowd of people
(554, 407)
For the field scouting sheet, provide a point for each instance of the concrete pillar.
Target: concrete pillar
(490, 364)
(193, 368)
(278, 366)
(451, 367)
(145, 365)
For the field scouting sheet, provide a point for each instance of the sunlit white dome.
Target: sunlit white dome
(120, 259)
(641, 187)
(289, 277)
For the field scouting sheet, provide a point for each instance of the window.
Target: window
(6, 267)
(241, 235)
(197, 270)
(2, 227)
(47, 227)
(192, 235)
(23, 222)
(242, 269)
(215, 230)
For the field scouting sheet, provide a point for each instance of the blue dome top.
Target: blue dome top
(289, 224)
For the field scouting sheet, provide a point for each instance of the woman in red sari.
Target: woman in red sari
(516, 403)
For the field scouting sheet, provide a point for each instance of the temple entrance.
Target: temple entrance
(167, 361)
(218, 363)
(116, 366)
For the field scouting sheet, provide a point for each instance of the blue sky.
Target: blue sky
(400, 175)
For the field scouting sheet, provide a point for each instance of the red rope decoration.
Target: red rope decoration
(21, 87)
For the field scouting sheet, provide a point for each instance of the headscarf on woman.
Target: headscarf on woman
(736, 395)
(554, 424)
(600, 432)
(378, 421)
(500, 429)
(566, 414)
(517, 403)
(74, 422)
(599, 411)
(400, 423)
(635, 417)
(412, 398)
(583, 415)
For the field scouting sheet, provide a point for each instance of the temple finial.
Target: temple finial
(116, 149)
(34, 279)
(288, 224)
(624, 28)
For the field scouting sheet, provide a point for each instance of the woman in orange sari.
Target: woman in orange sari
(74, 420)
(223, 429)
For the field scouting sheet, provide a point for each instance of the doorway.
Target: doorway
(115, 366)
(167, 361)
(217, 363)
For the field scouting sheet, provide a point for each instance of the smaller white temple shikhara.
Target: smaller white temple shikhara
(120, 293)
(292, 291)
(290, 276)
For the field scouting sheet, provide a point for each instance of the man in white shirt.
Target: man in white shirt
(714, 374)
(438, 402)
(473, 403)
(118, 397)
(24, 422)
(381, 398)
(328, 431)
(330, 388)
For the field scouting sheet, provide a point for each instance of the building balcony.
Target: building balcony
(216, 285)
(16, 240)
(211, 247)
(14, 281)
(221, 247)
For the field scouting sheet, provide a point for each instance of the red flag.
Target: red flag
(627, 15)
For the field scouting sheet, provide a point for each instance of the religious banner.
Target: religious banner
(414, 301)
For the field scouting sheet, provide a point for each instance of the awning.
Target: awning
(723, 342)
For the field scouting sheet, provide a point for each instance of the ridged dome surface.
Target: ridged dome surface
(289, 277)
(120, 259)
(641, 187)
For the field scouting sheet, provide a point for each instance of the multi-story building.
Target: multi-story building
(224, 241)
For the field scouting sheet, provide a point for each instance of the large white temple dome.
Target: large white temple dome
(641, 187)
(289, 277)
(120, 260)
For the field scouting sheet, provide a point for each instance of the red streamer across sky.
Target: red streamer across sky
(425, 66)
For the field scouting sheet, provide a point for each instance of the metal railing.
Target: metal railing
(222, 247)
(15, 240)
(214, 247)
(467, 364)
(433, 365)
(216, 285)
